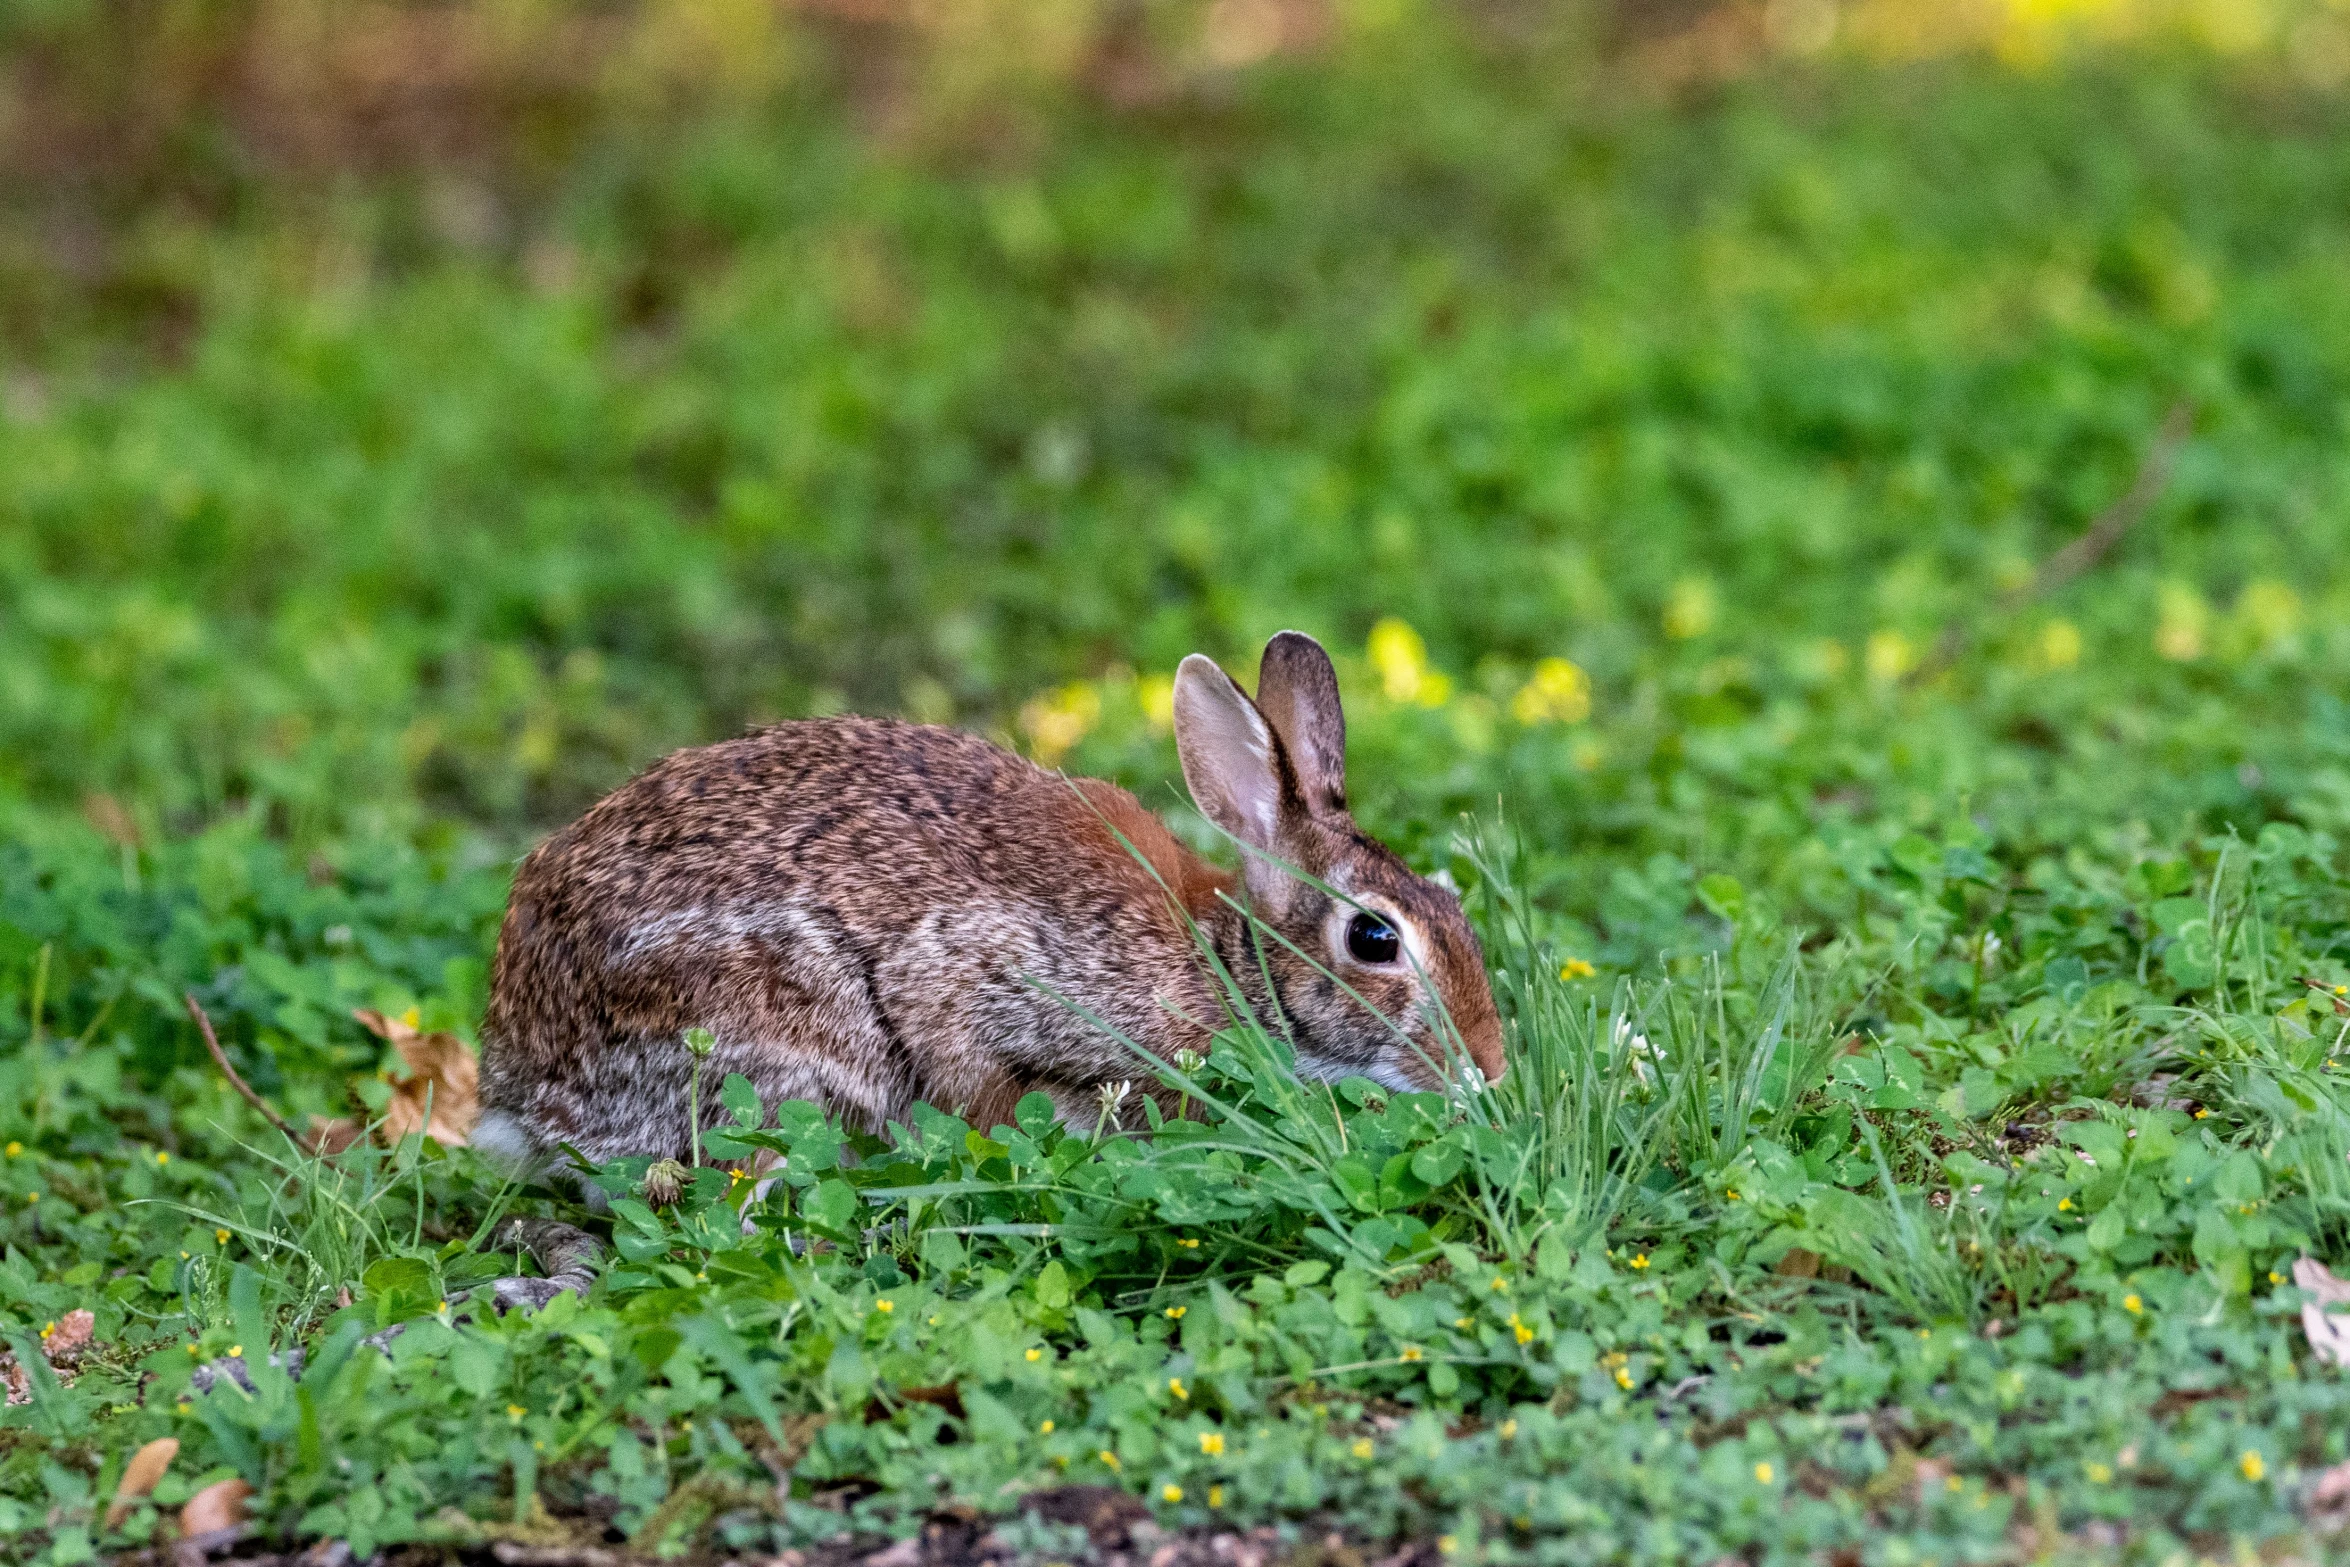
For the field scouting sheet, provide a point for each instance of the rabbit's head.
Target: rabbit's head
(1374, 971)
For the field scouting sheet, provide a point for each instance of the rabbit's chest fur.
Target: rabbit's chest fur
(863, 913)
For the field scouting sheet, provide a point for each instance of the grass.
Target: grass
(1921, 1086)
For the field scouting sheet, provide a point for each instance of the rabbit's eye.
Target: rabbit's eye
(1371, 939)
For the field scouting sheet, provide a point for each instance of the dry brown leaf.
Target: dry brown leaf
(64, 1340)
(330, 1135)
(2328, 1335)
(2328, 1504)
(1798, 1264)
(13, 1377)
(442, 1098)
(220, 1505)
(139, 1477)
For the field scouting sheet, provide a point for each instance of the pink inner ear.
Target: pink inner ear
(1227, 753)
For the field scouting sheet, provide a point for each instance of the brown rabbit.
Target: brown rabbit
(868, 913)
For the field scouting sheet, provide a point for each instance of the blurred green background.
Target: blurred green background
(417, 416)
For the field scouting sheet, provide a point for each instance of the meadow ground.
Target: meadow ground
(1924, 967)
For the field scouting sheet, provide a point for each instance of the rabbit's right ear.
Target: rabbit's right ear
(1228, 755)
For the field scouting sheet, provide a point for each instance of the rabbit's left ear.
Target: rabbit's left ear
(1297, 691)
(1230, 758)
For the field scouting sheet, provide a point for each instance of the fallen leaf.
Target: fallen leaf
(1798, 1264)
(139, 1477)
(330, 1135)
(443, 1097)
(2328, 1335)
(2328, 1504)
(64, 1340)
(220, 1505)
(13, 1377)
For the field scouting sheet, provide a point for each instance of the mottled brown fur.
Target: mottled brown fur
(869, 913)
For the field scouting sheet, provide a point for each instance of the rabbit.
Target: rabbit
(867, 913)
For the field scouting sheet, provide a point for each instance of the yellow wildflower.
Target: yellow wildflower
(1363, 1448)
(1059, 719)
(1215, 1496)
(1111, 1459)
(1410, 1352)
(1035, 1355)
(1448, 1544)
(1763, 1474)
(515, 1412)
(1170, 1493)
(1175, 1313)
(1045, 1428)
(885, 1305)
(1401, 658)
(1576, 968)
(1623, 1378)
(1176, 1387)
(221, 1236)
(1639, 1263)
(2133, 1305)
(2253, 1465)
(1211, 1443)
(1508, 1429)
(2099, 1474)
(1558, 692)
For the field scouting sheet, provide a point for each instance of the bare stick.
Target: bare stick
(2090, 549)
(220, 1058)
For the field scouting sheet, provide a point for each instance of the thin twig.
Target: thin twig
(2090, 549)
(220, 1058)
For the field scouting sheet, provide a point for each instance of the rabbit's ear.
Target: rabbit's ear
(1230, 758)
(1297, 691)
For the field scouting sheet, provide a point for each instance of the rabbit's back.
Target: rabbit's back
(863, 912)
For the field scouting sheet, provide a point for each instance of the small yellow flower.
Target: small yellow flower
(2201, 1113)
(2133, 1305)
(2099, 1474)
(1045, 1429)
(885, 1305)
(1953, 1484)
(1731, 1194)
(1409, 1353)
(1639, 1263)
(193, 1350)
(220, 1236)
(14, 1149)
(1576, 968)
(183, 1256)
(1525, 1334)
(1170, 1493)
(1176, 1387)
(161, 1157)
(32, 1197)
(1500, 1283)
(1215, 1496)
(1175, 1313)
(515, 1412)
(1035, 1355)
(1763, 1474)
(1363, 1448)
(2253, 1465)
(48, 1329)
(2064, 1205)
(1189, 1243)
(1508, 1429)
(1464, 1322)
(236, 1352)
(934, 1322)
(1211, 1443)
(183, 1406)
(1448, 1544)
(1110, 1459)
(2274, 1277)
(1623, 1378)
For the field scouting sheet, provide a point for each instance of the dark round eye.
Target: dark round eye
(1372, 940)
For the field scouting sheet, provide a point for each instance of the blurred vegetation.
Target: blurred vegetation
(415, 417)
